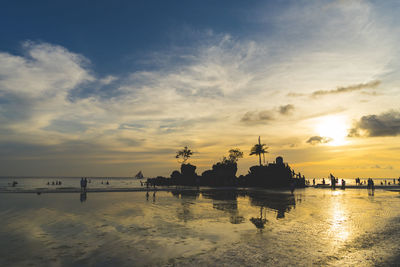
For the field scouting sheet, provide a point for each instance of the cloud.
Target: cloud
(46, 69)
(50, 96)
(53, 92)
(286, 110)
(346, 89)
(388, 167)
(108, 79)
(265, 116)
(385, 124)
(130, 142)
(131, 126)
(64, 126)
(314, 140)
(291, 94)
(257, 117)
(341, 90)
(34, 86)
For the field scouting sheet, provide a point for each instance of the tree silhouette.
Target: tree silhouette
(259, 149)
(184, 154)
(235, 154)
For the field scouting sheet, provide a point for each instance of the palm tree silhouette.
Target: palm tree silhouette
(259, 222)
(259, 149)
(184, 154)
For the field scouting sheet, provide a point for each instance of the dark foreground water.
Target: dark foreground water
(208, 228)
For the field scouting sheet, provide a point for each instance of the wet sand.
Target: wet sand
(208, 228)
(60, 189)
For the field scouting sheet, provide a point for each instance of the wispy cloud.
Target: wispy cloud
(51, 96)
(341, 90)
(388, 167)
(347, 89)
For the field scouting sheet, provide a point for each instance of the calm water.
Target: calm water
(208, 228)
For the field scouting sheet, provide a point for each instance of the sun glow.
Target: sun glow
(333, 129)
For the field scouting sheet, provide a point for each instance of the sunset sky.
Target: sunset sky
(108, 88)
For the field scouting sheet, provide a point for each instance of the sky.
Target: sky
(108, 88)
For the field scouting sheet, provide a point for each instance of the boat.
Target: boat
(139, 175)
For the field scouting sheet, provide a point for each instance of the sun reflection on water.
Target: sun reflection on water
(339, 221)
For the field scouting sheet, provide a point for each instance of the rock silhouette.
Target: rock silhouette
(273, 175)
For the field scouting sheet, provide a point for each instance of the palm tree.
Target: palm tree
(259, 149)
(185, 154)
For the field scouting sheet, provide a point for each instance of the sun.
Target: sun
(333, 129)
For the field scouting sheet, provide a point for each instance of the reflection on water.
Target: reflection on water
(259, 222)
(227, 201)
(201, 227)
(280, 202)
(187, 198)
(83, 196)
(338, 225)
(371, 192)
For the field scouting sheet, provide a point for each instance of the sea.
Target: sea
(38, 183)
(198, 227)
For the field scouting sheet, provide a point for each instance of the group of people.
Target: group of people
(335, 181)
(13, 184)
(369, 182)
(54, 183)
(358, 181)
(83, 184)
(85, 181)
(388, 183)
(147, 184)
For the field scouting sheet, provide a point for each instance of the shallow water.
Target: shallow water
(210, 227)
(35, 183)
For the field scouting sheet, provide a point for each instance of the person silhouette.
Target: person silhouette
(84, 184)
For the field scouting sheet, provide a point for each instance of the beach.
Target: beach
(203, 227)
